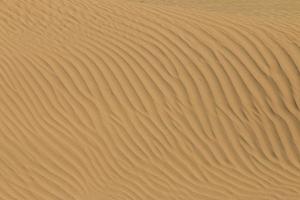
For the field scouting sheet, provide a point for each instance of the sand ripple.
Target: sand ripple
(118, 100)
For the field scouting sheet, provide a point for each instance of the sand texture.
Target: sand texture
(149, 100)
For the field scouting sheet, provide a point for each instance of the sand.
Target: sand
(149, 100)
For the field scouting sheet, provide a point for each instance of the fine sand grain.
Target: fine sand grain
(149, 100)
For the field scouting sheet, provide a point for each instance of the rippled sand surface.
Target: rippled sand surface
(149, 100)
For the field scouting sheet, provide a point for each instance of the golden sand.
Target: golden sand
(149, 100)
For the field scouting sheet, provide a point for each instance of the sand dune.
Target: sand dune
(149, 100)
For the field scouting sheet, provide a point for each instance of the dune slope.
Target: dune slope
(149, 100)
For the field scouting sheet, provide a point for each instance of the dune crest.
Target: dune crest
(142, 100)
